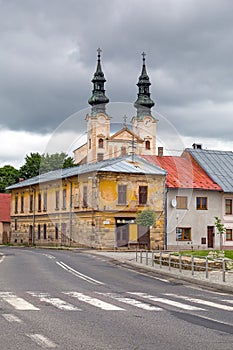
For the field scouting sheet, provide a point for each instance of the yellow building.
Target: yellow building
(92, 205)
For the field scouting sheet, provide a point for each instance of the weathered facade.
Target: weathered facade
(93, 205)
(5, 200)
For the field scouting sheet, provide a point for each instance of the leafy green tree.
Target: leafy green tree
(221, 229)
(8, 176)
(146, 218)
(31, 166)
(36, 163)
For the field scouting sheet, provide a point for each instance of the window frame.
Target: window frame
(147, 145)
(181, 202)
(122, 195)
(21, 203)
(201, 205)
(39, 202)
(229, 233)
(64, 197)
(85, 197)
(142, 195)
(39, 231)
(57, 199)
(45, 201)
(45, 231)
(228, 206)
(182, 231)
(16, 204)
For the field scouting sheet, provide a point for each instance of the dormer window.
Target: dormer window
(101, 143)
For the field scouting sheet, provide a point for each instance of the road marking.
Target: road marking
(11, 318)
(167, 301)
(18, 303)
(93, 301)
(2, 258)
(144, 274)
(132, 302)
(78, 274)
(49, 256)
(58, 303)
(42, 341)
(203, 302)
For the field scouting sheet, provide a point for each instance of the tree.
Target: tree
(8, 176)
(146, 218)
(221, 229)
(36, 164)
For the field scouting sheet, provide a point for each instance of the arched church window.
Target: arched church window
(101, 143)
(147, 144)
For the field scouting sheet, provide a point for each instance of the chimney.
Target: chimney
(197, 146)
(160, 151)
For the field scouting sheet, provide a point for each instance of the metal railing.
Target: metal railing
(203, 267)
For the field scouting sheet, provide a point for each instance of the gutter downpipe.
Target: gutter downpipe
(165, 213)
(70, 210)
(33, 215)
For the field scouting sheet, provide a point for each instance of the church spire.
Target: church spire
(98, 100)
(144, 103)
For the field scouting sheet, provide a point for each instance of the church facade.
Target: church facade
(139, 139)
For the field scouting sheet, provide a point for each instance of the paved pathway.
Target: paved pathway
(215, 278)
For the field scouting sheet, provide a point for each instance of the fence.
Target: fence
(216, 269)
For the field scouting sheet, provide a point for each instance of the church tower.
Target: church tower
(98, 122)
(144, 124)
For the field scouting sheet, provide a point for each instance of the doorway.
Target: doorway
(210, 236)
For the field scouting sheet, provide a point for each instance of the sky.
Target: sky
(48, 57)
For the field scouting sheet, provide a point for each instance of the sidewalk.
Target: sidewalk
(214, 280)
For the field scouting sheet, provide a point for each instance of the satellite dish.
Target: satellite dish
(173, 203)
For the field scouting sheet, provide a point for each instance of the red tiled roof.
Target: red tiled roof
(5, 205)
(183, 173)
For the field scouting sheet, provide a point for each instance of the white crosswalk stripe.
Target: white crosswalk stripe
(203, 302)
(11, 318)
(133, 302)
(94, 302)
(17, 303)
(167, 301)
(42, 341)
(57, 302)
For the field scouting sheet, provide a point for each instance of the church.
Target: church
(139, 139)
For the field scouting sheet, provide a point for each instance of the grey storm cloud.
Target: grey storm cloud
(48, 57)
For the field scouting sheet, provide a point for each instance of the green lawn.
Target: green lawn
(228, 253)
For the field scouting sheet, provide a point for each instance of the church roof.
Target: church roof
(122, 131)
(183, 173)
(117, 165)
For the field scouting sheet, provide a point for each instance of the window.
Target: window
(31, 203)
(16, 225)
(39, 201)
(22, 203)
(201, 203)
(45, 231)
(57, 200)
(45, 201)
(183, 233)
(228, 206)
(100, 156)
(85, 196)
(16, 204)
(101, 143)
(56, 231)
(143, 194)
(228, 234)
(89, 143)
(147, 144)
(122, 194)
(38, 231)
(123, 151)
(181, 202)
(64, 199)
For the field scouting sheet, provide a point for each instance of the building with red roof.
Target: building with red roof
(193, 201)
(5, 202)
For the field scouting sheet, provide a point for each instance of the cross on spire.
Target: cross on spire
(125, 119)
(99, 52)
(143, 56)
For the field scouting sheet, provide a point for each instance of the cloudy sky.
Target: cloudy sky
(48, 57)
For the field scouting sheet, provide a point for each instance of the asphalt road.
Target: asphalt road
(76, 300)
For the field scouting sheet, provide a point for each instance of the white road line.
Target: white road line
(49, 256)
(42, 341)
(11, 318)
(17, 303)
(203, 302)
(58, 303)
(78, 274)
(167, 301)
(93, 301)
(2, 257)
(132, 302)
